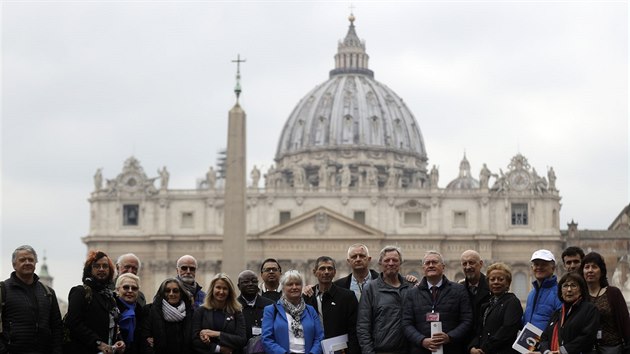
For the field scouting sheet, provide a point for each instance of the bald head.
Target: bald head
(248, 284)
(471, 265)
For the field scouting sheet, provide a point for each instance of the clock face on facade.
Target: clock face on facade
(131, 181)
(519, 180)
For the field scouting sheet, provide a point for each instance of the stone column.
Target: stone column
(234, 225)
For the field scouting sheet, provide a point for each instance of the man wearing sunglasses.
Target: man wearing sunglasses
(186, 270)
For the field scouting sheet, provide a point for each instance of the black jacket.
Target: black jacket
(88, 318)
(497, 332)
(578, 333)
(253, 315)
(453, 305)
(339, 307)
(31, 319)
(232, 333)
(168, 337)
(477, 300)
(347, 280)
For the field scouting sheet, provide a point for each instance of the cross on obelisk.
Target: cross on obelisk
(238, 62)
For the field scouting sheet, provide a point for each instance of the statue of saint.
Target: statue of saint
(346, 177)
(211, 178)
(164, 176)
(98, 180)
(552, 179)
(434, 176)
(298, 177)
(255, 175)
(484, 177)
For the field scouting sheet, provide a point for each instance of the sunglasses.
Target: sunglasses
(130, 288)
(187, 268)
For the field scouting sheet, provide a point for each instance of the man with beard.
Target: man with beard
(336, 306)
(253, 305)
(379, 321)
(92, 318)
(186, 270)
(476, 284)
(437, 300)
(270, 272)
(31, 321)
(130, 263)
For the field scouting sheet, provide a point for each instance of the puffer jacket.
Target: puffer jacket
(453, 306)
(542, 301)
(379, 321)
(30, 326)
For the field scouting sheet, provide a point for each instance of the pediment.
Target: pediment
(321, 223)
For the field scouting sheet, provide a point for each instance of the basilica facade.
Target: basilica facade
(350, 167)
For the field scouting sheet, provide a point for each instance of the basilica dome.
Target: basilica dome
(352, 119)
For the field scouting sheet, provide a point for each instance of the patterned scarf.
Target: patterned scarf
(173, 313)
(295, 312)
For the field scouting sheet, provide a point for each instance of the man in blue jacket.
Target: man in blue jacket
(542, 300)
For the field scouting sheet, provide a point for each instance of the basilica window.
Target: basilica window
(459, 219)
(359, 216)
(519, 214)
(130, 214)
(188, 220)
(413, 218)
(285, 216)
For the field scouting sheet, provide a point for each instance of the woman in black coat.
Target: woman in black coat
(219, 325)
(167, 327)
(500, 317)
(573, 328)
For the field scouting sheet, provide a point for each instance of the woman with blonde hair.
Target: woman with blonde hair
(131, 314)
(219, 325)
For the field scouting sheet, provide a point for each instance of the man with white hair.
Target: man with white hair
(475, 282)
(186, 270)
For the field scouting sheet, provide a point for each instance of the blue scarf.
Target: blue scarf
(128, 321)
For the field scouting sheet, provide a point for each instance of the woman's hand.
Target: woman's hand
(207, 334)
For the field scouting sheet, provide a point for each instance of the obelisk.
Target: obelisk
(234, 224)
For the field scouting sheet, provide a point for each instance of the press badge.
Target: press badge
(256, 331)
(433, 317)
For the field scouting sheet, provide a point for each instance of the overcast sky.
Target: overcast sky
(87, 84)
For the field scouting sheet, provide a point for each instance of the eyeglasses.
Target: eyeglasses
(169, 291)
(188, 268)
(130, 288)
(271, 270)
(570, 285)
(431, 262)
(100, 266)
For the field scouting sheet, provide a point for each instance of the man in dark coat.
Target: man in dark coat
(31, 321)
(359, 261)
(437, 302)
(336, 306)
(476, 285)
(253, 304)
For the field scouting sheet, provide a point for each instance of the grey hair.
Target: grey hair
(130, 255)
(390, 248)
(185, 256)
(434, 253)
(27, 248)
(291, 274)
(357, 245)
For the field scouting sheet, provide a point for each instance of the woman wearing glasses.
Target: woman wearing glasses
(167, 327)
(127, 289)
(614, 321)
(92, 318)
(573, 328)
(219, 325)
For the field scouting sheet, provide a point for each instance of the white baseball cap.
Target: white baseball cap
(545, 255)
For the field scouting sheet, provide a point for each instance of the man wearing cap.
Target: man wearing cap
(543, 299)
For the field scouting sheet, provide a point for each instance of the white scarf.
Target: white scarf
(172, 313)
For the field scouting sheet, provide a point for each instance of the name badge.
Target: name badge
(433, 317)
(256, 331)
(599, 334)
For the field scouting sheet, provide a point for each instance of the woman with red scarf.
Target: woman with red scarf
(573, 328)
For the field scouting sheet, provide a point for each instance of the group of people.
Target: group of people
(373, 312)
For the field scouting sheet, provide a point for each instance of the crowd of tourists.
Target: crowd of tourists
(366, 311)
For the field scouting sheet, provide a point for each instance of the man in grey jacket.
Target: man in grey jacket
(379, 323)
